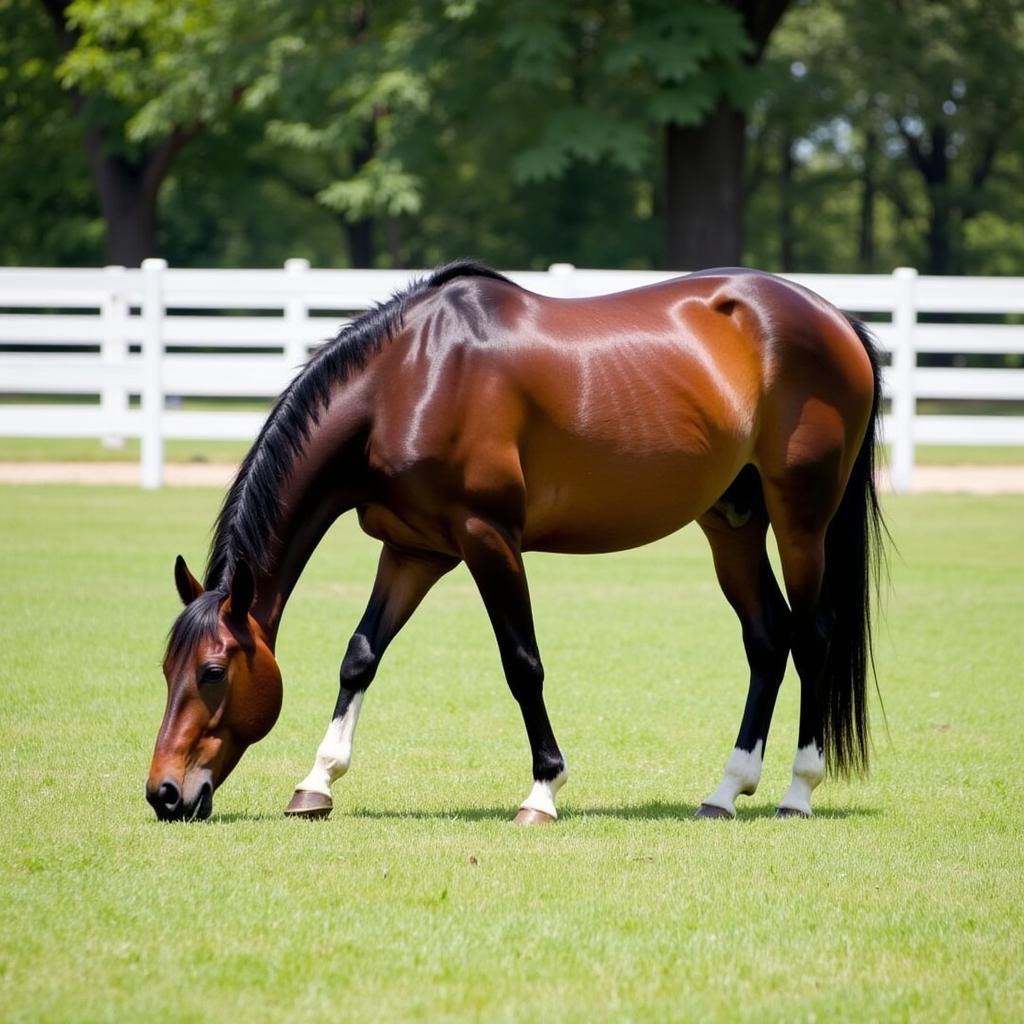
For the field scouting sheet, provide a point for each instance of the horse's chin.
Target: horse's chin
(204, 806)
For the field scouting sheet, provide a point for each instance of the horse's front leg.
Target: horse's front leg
(402, 582)
(496, 563)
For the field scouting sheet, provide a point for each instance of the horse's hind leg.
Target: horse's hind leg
(736, 527)
(496, 563)
(402, 582)
(800, 510)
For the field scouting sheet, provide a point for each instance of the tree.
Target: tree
(349, 86)
(144, 78)
(949, 79)
(704, 161)
(48, 214)
(811, 178)
(656, 88)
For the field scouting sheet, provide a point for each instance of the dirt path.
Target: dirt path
(927, 479)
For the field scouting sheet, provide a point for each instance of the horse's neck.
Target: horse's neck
(325, 480)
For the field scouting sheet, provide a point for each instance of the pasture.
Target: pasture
(417, 900)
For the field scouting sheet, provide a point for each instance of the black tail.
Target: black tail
(854, 560)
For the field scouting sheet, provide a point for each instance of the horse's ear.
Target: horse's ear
(243, 590)
(189, 588)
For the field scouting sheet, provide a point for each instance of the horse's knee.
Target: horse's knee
(359, 664)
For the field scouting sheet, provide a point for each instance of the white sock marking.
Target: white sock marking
(334, 754)
(542, 796)
(742, 774)
(808, 771)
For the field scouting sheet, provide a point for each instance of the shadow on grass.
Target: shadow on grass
(652, 811)
(823, 814)
(237, 817)
(661, 811)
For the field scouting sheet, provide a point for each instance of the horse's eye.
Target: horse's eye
(211, 674)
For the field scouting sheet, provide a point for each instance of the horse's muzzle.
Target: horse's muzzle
(169, 804)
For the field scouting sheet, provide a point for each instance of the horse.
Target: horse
(468, 419)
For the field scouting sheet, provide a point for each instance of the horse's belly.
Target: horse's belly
(611, 503)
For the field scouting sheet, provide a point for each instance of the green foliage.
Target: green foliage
(163, 65)
(935, 92)
(48, 211)
(602, 78)
(587, 135)
(379, 186)
(521, 131)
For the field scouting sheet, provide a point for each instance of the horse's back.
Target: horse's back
(614, 419)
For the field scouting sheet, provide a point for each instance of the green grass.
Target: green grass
(71, 449)
(417, 900)
(968, 455)
(87, 449)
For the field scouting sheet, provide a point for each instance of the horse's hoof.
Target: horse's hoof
(790, 812)
(307, 804)
(528, 816)
(711, 811)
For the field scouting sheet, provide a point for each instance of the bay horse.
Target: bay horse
(468, 419)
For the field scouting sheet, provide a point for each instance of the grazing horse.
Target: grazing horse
(468, 419)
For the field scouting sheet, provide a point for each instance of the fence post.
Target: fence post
(295, 315)
(904, 360)
(114, 354)
(152, 377)
(562, 273)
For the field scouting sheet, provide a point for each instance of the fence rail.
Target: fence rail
(125, 341)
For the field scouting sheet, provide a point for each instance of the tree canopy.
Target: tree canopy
(806, 135)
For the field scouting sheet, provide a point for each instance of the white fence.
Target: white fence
(110, 334)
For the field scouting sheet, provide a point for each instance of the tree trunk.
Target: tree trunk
(787, 240)
(940, 230)
(361, 251)
(128, 207)
(394, 241)
(869, 189)
(704, 191)
(127, 189)
(704, 167)
(941, 217)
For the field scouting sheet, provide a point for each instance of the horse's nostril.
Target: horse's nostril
(166, 800)
(168, 794)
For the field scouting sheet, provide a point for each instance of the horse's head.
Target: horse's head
(223, 693)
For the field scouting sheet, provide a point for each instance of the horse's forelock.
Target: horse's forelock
(199, 620)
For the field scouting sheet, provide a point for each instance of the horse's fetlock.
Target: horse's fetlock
(809, 764)
(550, 768)
(335, 765)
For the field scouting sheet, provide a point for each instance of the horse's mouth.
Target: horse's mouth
(203, 807)
(169, 806)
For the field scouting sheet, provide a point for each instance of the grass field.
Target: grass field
(417, 900)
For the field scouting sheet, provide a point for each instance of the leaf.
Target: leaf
(582, 134)
(380, 186)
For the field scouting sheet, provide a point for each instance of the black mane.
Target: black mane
(245, 526)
